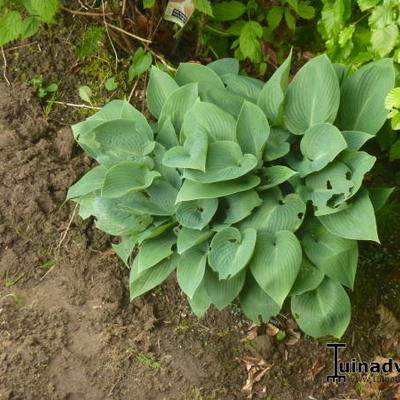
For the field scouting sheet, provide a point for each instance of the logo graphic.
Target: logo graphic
(336, 377)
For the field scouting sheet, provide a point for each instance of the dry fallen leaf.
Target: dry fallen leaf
(251, 333)
(256, 368)
(271, 329)
(294, 337)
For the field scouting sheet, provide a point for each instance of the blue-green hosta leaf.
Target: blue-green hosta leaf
(276, 263)
(197, 73)
(209, 118)
(192, 154)
(320, 145)
(124, 249)
(379, 196)
(276, 213)
(244, 86)
(200, 302)
(363, 96)
(313, 96)
(191, 190)
(142, 282)
(157, 199)
(252, 129)
(359, 163)
(167, 135)
(223, 292)
(169, 174)
(111, 217)
(323, 311)
(126, 177)
(274, 176)
(225, 66)
(356, 222)
(328, 189)
(231, 250)
(158, 227)
(187, 238)
(240, 205)
(196, 214)
(223, 98)
(225, 162)
(334, 256)
(273, 93)
(255, 303)
(356, 139)
(90, 182)
(155, 250)
(160, 87)
(341, 71)
(277, 145)
(191, 269)
(308, 278)
(177, 105)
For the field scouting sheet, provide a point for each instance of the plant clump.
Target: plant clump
(247, 189)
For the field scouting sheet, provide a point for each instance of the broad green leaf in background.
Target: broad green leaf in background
(192, 154)
(85, 93)
(191, 269)
(205, 77)
(276, 263)
(225, 161)
(223, 292)
(187, 238)
(142, 282)
(155, 250)
(148, 3)
(30, 26)
(255, 303)
(384, 39)
(46, 10)
(320, 145)
(323, 311)
(177, 104)
(228, 10)
(160, 87)
(111, 84)
(356, 222)
(276, 212)
(231, 250)
(274, 16)
(367, 4)
(334, 256)
(363, 96)
(240, 205)
(191, 190)
(249, 40)
(196, 214)
(312, 96)
(10, 26)
(141, 62)
(273, 93)
(252, 129)
(203, 6)
(308, 278)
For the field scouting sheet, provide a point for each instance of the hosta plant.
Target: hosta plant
(248, 190)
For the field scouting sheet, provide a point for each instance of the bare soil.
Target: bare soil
(67, 328)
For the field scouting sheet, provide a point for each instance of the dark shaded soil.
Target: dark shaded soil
(67, 328)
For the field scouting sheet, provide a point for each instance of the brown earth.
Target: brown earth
(67, 328)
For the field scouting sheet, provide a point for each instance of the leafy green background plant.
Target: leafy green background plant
(247, 189)
(21, 19)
